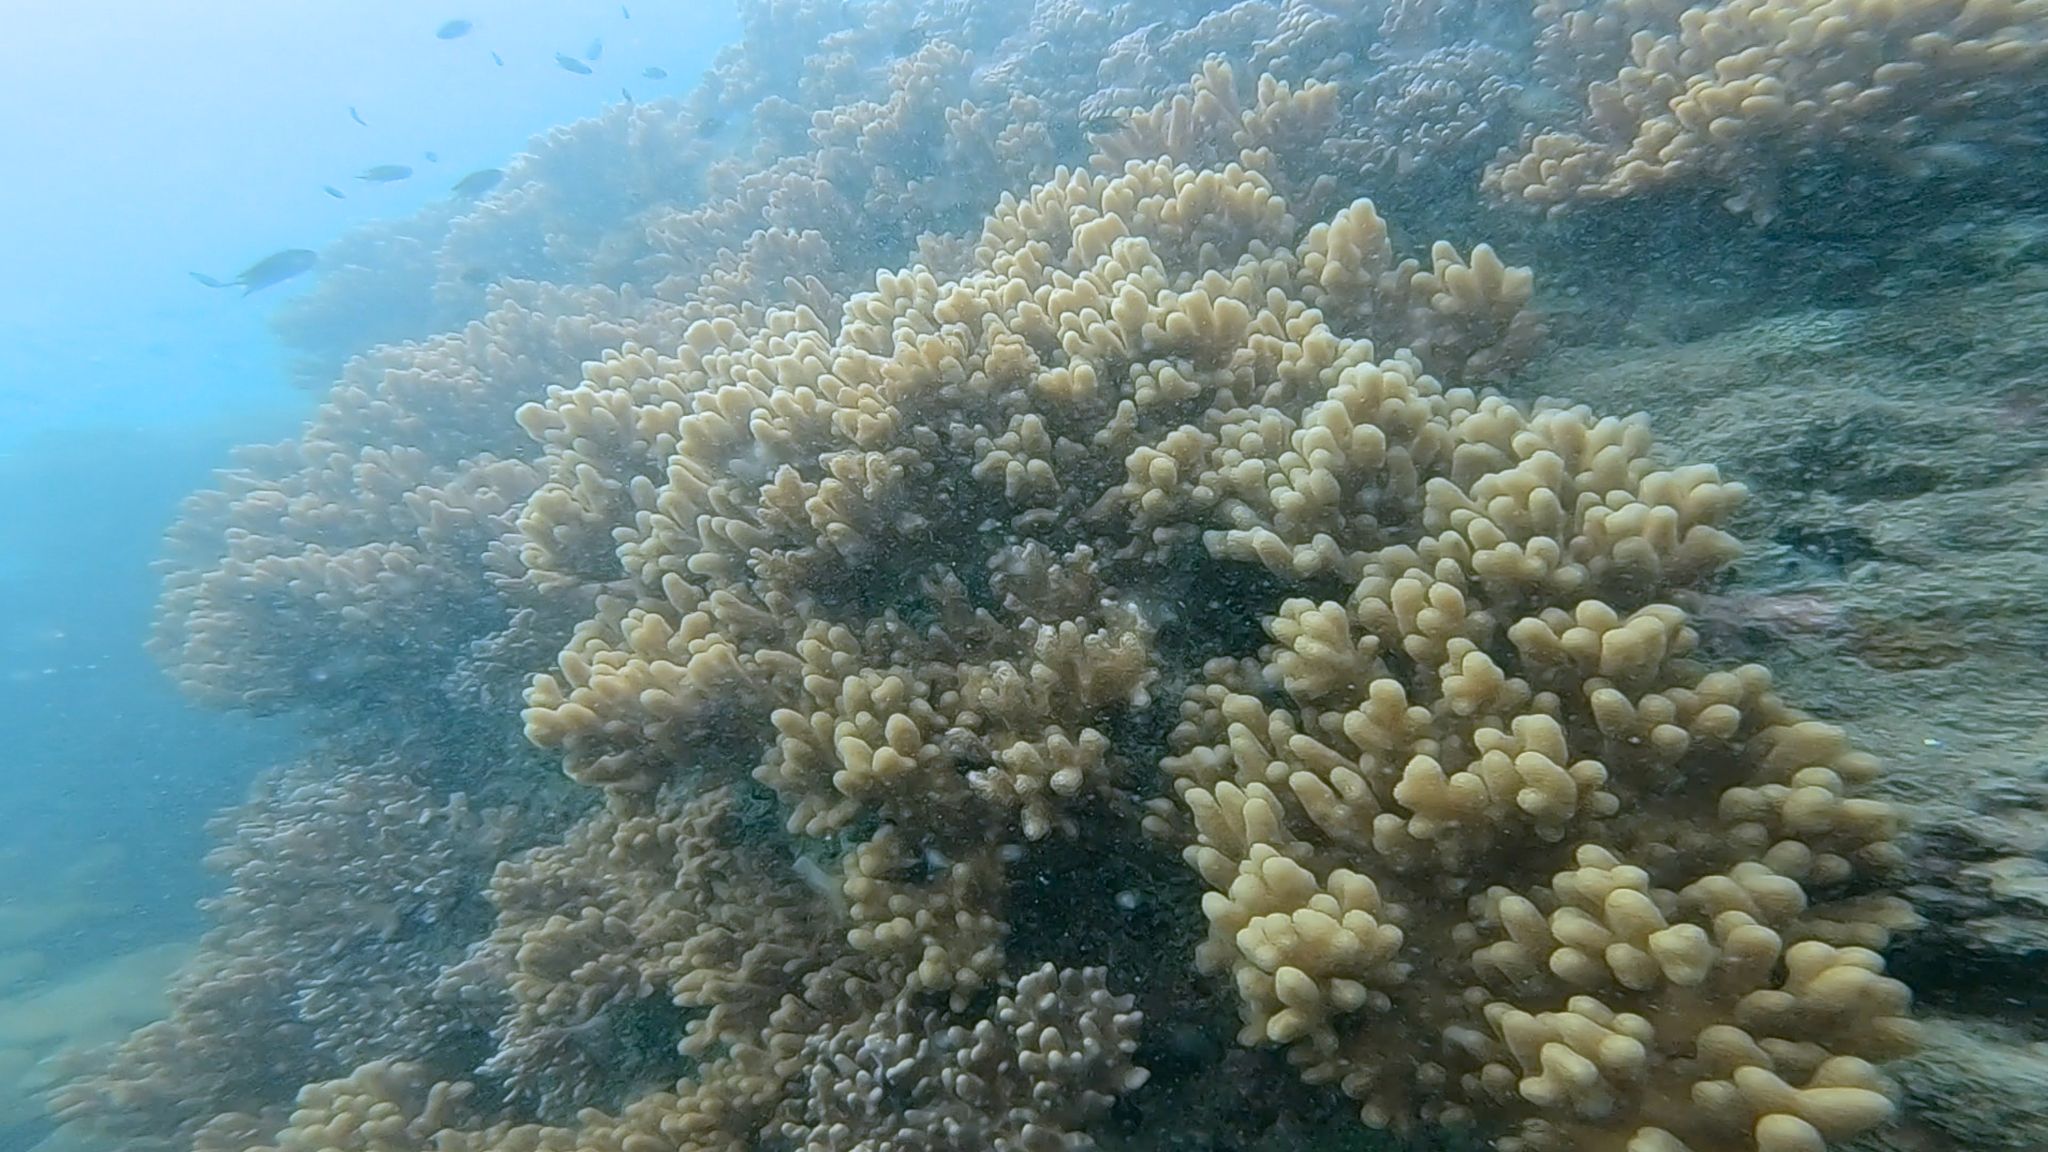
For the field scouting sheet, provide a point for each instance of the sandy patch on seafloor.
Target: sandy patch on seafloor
(97, 1005)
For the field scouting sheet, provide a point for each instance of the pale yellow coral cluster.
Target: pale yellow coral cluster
(1736, 96)
(1484, 842)
(880, 568)
(1486, 809)
(1208, 125)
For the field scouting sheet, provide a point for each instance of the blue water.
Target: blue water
(146, 141)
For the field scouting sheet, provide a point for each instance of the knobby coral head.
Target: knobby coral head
(1486, 841)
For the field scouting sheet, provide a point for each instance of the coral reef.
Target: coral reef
(860, 126)
(1008, 1082)
(1894, 584)
(339, 574)
(1104, 410)
(642, 916)
(1127, 618)
(1740, 97)
(875, 609)
(857, 128)
(1377, 833)
(345, 895)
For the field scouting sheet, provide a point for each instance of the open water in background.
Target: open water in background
(146, 140)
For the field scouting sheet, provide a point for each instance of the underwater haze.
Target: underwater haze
(948, 575)
(148, 141)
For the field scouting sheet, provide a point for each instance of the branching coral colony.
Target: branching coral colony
(1484, 842)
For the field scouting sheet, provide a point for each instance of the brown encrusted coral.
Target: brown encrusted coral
(666, 978)
(926, 565)
(343, 572)
(845, 1069)
(653, 921)
(873, 121)
(1487, 845)
(1049, 1059)
(900, 542)
(1736, 97)
(344, 894)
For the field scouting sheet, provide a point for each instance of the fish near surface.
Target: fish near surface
(385, 173)
(453, 29)
(655, 73)
(497, 59)
(569, 63)
(595, 50)
(331, 190)
(275, 268)
(479, 182)
(357, 116)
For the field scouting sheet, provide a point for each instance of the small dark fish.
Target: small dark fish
(497, 59)
(479, 182)
(275, 268)
(357, 116)
(432, 157)
(655, 73)
(624, 12)
(569, 63)
(627, 93)
(384, 173)
(331, 190)
(595, 50)
(477, 277)
(453, 30)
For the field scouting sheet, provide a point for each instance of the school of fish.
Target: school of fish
(287, 263)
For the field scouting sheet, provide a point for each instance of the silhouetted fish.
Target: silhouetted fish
(357, 116)
(595, 50)
(331, 190)
(655, 73)
(569, 63)
(479, 182)
(623, 12)
(627, 94)
(497, 59)
(385, 173)
(453, 30)
(432, 157)
(275, 268)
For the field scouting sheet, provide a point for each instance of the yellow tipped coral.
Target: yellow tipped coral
(1486, 845)
(1737, 96)
(1479, 803)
